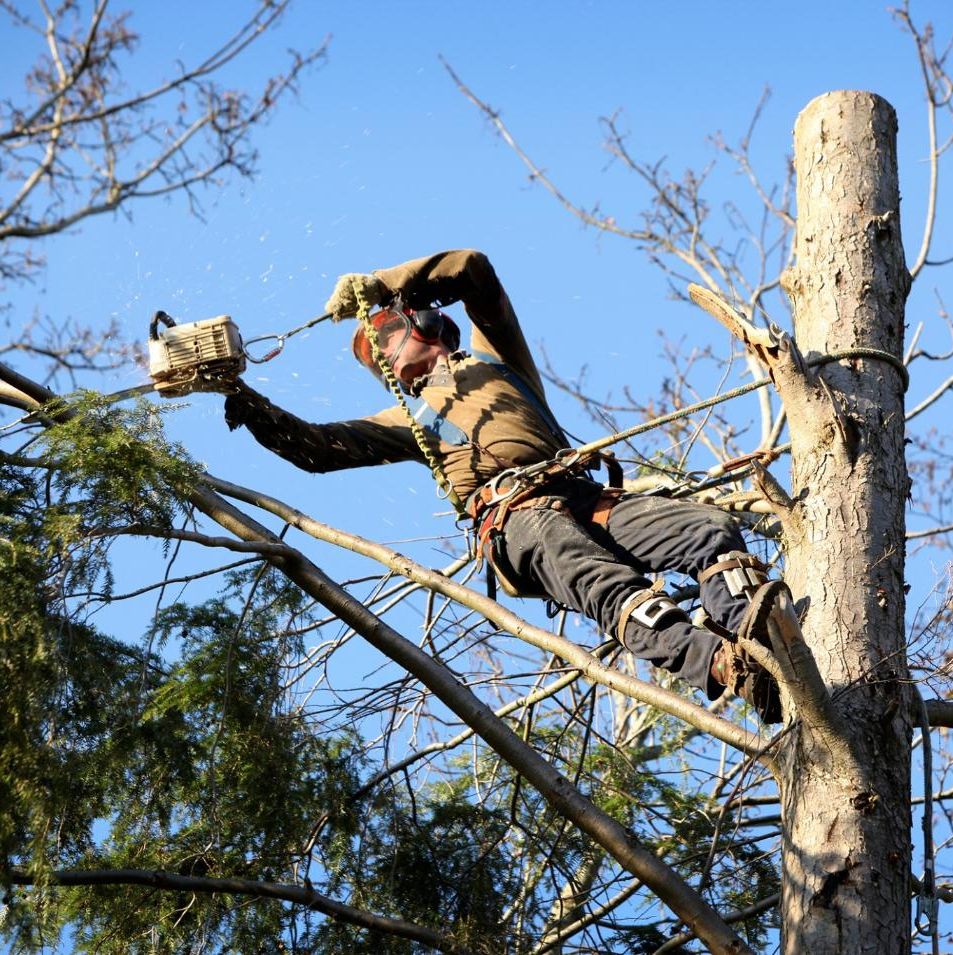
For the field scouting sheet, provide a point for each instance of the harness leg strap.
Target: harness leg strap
(652, 608)
(743, 574)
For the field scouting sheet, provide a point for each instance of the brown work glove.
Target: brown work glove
(344, 303)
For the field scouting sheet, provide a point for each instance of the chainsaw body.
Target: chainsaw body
(194, 356)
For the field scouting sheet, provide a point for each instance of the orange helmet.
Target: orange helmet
(426, 325)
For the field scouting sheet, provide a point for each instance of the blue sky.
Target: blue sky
(380, 159)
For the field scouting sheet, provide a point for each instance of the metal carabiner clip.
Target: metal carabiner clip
(568, 458)
(280, 339)
(499, 496)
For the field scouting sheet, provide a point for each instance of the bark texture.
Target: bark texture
(846, 793)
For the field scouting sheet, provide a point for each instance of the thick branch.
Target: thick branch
(500, 617)
(940, 712)
(248, 887)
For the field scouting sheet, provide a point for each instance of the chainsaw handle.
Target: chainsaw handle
(166, 320)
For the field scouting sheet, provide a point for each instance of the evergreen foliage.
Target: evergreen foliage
(190, 750)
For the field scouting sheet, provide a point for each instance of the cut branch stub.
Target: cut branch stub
(761, 342)
(773, 348)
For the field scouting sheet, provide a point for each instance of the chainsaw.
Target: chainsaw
(196, 356)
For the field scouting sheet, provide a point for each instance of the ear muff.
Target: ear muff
(450, 334)
(428, 323)
(431, 325)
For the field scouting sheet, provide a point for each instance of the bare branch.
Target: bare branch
(297, 894)
(933, 76)
(86, 135)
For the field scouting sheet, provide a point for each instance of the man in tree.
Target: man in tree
(482, 424)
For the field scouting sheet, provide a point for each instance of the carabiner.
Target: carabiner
(498, 496)
(568, 457)
(280, 339)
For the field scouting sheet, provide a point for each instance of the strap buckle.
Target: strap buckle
(492, 494)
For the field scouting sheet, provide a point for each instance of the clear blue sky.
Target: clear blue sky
(380, 159)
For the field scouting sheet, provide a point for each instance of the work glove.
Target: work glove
(240, 403)
(343, 303)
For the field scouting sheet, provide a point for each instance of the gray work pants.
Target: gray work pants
(594, 570)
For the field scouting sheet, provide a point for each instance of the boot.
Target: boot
(731, 667)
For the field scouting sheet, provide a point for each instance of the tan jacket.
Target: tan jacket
(504, 428)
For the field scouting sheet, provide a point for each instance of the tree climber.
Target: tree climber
(556, 534)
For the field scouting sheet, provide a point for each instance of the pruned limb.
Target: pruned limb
(748, 502)
(297, 894)
(772, 347)
(792, 665)
(771, 490)
(12, 396)
(759, 341)
(803, 680)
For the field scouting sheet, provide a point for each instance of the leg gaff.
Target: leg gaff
(743, 573)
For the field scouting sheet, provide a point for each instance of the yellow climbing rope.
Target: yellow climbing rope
(420, 436)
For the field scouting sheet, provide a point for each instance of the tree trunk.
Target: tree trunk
(846, 790)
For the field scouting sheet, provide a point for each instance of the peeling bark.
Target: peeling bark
(846, 858)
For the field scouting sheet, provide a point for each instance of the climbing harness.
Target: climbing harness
(515, 489)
